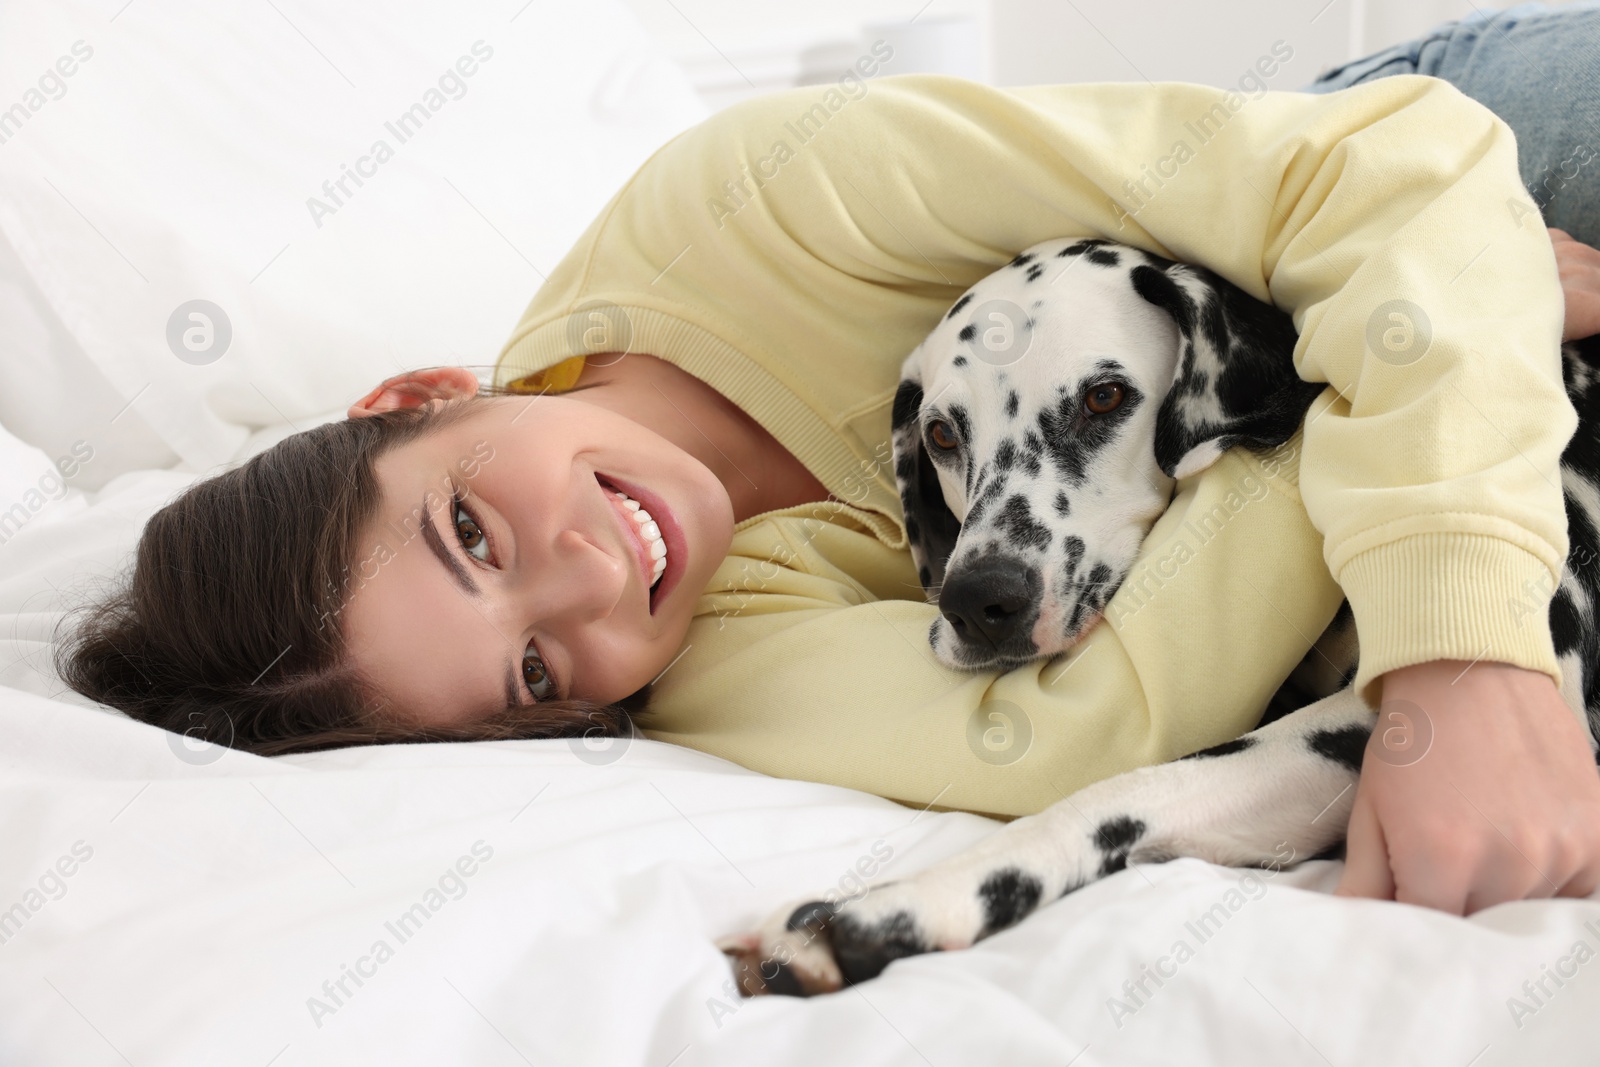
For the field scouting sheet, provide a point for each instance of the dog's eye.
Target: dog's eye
(938, 433)
(1102, 398)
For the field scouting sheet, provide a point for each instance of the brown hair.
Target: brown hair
(221, 631)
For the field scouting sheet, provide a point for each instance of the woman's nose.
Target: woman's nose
(578, 581)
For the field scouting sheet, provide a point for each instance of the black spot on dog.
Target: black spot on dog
(1063, 505)
(1011, 404)
(926, 577)
(1227, 748)
(1005, 456)
(781, 981)
(1072, 549)
(1074, 619)
(1034, 272)
(959, 304)
(1344, 745)
(812, 917)
(1032, 449)
(968, 332)
(907, 402)
(1008, 896)
(959, 361)
(1021, 528)
(1088, 244)
(913, 529)
(1022, 259)
(1104, 257)
(1115, 839)
(958, 415)
(1072, 438)
(1566, 626)
(1099, 586)
(989, 495)
(863, 950)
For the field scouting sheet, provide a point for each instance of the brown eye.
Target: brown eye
(1102, 398)
(535, 674)
(469, 531)
(937, 433)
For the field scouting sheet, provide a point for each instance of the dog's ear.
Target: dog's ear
(1235, 381)
(931, 527)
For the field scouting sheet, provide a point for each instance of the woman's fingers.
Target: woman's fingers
(1366, 857)
(1578, 265)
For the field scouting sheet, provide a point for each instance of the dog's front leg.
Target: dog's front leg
(1278, 795)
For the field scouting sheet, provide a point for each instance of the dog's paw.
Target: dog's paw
(819, 947)
(789, 954)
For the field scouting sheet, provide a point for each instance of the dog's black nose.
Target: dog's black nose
(987, 601)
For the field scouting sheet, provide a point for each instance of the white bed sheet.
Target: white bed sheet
(213, 893)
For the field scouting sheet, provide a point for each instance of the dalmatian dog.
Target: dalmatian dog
(1039, 431)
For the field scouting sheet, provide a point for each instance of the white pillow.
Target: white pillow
(54, 397)
(179, 152)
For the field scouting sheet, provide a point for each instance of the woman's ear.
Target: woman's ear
(415, 388)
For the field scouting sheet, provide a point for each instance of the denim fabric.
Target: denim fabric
(1537, 67)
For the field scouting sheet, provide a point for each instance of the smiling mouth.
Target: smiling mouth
(662, 565)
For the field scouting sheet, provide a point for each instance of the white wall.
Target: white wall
(1048, 41)
(734, 49)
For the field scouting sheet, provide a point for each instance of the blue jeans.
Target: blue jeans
(1538, 68)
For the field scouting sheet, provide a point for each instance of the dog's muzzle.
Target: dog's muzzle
(991, 605)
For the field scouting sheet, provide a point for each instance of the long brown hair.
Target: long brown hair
(221, 632)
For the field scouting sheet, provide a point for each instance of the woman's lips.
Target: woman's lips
(671, 534)
(635, 538)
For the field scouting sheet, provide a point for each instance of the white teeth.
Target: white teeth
(650, 531)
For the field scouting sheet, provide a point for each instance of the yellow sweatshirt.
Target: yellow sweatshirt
(791, 250)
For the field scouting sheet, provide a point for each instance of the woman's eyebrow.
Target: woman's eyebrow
(511, 687)
(430, 534)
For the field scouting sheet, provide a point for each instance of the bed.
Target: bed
(167, 901)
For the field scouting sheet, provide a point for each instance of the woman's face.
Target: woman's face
(561, 607)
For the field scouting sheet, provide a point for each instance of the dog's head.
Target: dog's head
(1039, 429)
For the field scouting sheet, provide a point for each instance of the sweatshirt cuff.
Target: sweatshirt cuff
(1449, 596)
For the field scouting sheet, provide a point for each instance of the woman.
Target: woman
(776, 269)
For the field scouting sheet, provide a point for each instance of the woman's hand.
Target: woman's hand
(1579, 266)
(1477, 787)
